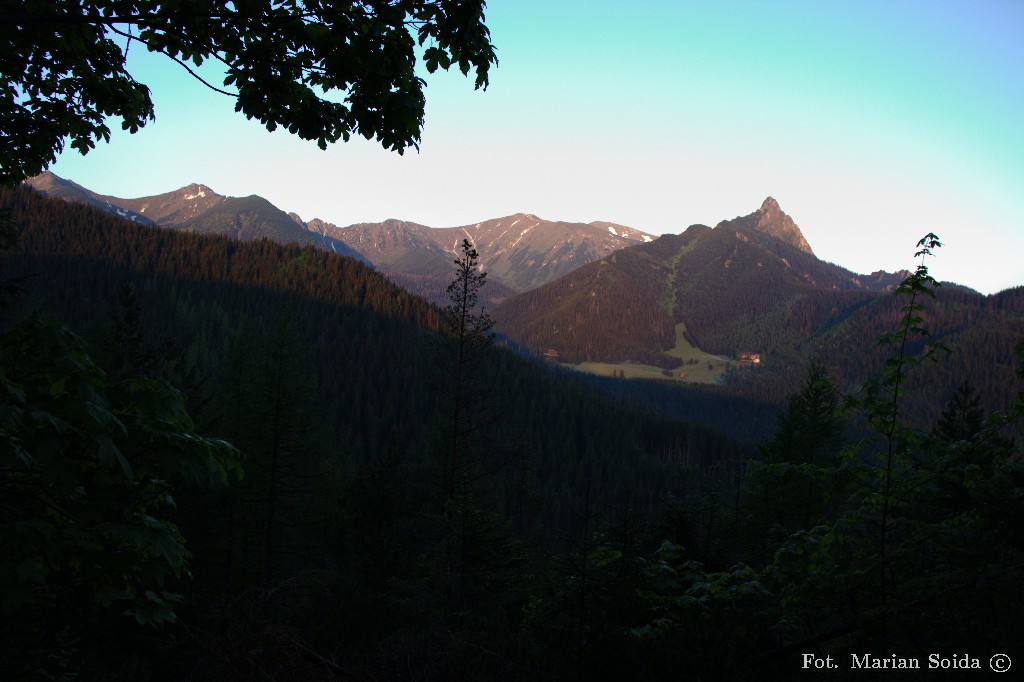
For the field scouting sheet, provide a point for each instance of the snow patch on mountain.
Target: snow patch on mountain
(521, 235)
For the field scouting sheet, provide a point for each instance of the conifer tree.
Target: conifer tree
(787, 489)
(468, 333)
(963, 415)
(273, 419)
(477, 555)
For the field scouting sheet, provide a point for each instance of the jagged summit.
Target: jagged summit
(772, 221)
(195, 190)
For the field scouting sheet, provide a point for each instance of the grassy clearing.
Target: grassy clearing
(630, 371)
(668, 294)
(704, 368)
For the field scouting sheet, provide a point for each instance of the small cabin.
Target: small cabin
(749, 358)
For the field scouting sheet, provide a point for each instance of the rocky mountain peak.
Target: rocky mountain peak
(197, 191)
(772, 221)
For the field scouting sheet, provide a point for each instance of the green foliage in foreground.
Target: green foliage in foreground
(88, 469)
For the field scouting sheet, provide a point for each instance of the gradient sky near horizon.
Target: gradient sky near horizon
(871, 122)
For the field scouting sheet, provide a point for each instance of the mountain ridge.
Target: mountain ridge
(738, 280)
(520, 251)
(739, 289)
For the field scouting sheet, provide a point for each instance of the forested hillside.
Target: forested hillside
(367, 343)
(738, 288)
(348, 367)
(578, 535)
(607, 311)
(522, 250)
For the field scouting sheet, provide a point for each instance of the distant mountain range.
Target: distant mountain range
(752, 285)
(727, 284)
(609, 293)
(519, 252)
(197, 208)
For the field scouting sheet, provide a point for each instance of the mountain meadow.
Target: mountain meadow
(232, 455)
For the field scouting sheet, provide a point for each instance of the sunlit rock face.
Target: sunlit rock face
(772, 221)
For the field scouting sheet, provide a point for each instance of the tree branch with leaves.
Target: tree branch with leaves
(87, 478)
(323, 71)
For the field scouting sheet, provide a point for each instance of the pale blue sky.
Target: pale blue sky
(871, 122)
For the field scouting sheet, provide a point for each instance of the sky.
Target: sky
(871, 122)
